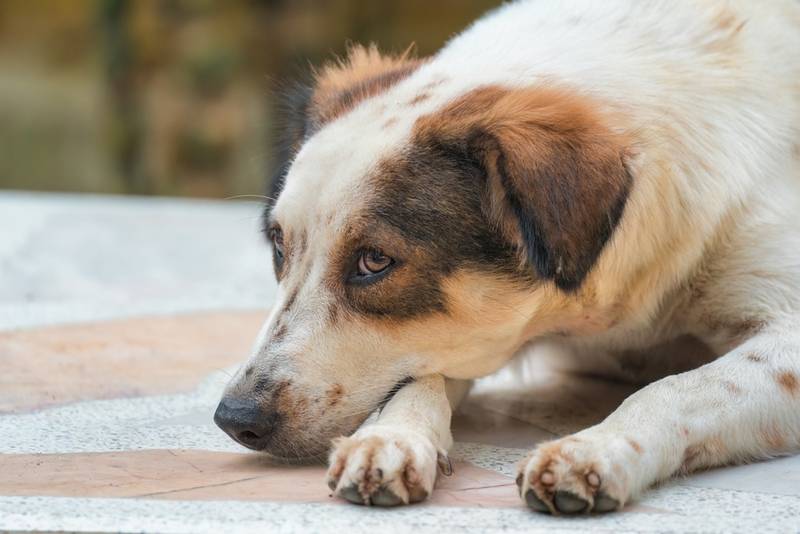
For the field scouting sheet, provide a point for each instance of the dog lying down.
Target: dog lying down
(619, 177)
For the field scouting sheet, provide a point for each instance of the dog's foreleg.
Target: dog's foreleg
(743, 406)
(394, 459)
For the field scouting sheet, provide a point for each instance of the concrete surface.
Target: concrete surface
(120, 321)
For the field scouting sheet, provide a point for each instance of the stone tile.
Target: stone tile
(206, 475)
(780, 476)
(680, 510)
(81, 258)
(160, 474)
(126, 358)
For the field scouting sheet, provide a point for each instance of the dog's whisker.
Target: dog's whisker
(258, 197)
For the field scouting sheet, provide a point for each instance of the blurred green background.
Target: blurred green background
(173, 97)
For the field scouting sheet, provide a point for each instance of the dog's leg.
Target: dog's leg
(394, 460)
(743, 406)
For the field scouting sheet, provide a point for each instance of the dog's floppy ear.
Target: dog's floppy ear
(334, 89)
(555, 177)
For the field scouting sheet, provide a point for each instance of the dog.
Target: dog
(621, 178)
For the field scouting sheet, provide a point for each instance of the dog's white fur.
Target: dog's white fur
(709, 244)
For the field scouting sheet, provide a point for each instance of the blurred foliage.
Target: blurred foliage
(173, 96)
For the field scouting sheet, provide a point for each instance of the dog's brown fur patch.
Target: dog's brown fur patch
(710, 452)
(425, 213)
(773, 438)
(727, 21)
(403, 293)
(282, 399)
(334, 394)
(635, 445)
(731, 387)
(556, 178)
(723, 41)
(789, 382)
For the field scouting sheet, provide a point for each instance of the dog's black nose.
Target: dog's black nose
(245, 422)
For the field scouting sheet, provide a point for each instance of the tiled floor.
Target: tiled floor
(120, 320)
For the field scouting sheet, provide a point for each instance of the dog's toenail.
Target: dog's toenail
(593, 479)
(547, 478)
(385, 497)
(603, 503)
(444, 464)
(520, 477)
(351, 494)
(569, 503)
(535, 503)
(332, 484)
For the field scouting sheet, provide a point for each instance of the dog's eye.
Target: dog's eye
(276, 236)
(373, 262)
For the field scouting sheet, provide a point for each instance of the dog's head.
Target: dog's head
(418, 230)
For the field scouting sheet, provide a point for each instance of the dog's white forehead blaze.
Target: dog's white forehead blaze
(327, 176)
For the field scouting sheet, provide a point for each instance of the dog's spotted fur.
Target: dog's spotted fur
(621, 178)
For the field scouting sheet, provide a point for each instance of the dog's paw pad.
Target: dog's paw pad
(576, 475)
(385, 497)
(603, 503)
(535, 503)
(569, 503)
(350, 493)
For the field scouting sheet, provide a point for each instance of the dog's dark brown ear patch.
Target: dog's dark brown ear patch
(556, 178)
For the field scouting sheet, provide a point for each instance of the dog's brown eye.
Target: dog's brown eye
(372, 262)
(276, 235)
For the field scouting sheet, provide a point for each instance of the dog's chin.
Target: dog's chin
(283, 459)
(289, 452)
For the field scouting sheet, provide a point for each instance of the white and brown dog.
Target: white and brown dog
(622, 177)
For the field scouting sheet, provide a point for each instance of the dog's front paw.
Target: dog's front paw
(579, 474)
(383, 467)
